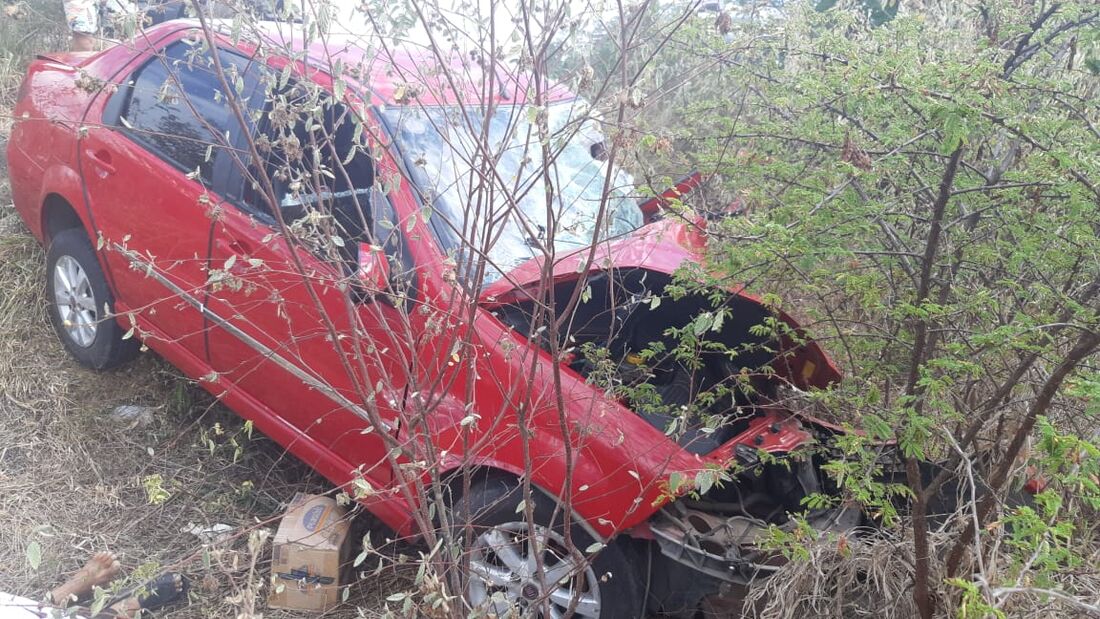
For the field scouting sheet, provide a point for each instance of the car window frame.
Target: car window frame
(235, 179)
(221, 161)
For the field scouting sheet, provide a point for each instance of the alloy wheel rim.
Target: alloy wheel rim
(75, 301)
(504, 576)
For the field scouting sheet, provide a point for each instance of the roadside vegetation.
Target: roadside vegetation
(926, 187)
(919, 183)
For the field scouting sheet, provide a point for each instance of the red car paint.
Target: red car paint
(140, 206)
(652, 207)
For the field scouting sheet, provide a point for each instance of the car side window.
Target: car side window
(176, 107)
(319, 169)
(322, 175)
(317, 161)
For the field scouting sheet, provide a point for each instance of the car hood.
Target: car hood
(661, 247)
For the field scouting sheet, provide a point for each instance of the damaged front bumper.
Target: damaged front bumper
(731, 549)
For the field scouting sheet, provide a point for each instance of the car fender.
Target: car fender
(452, 464)
(63, 181)
(494, 443)
(446, 424)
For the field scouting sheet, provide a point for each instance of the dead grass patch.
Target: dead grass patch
(872, 577)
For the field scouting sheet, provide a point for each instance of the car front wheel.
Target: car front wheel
(519, 570)
(80, 304)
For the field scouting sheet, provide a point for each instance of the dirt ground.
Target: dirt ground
(73, 480)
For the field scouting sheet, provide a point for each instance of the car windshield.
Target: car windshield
(508, 214)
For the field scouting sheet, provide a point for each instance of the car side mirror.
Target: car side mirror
(373, 274)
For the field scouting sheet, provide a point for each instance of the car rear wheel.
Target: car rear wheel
(504, 558)
(80, 303)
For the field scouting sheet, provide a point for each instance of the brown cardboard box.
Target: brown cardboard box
(308, 554)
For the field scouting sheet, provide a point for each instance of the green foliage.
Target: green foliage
(973, 604)
(34, 554)
(1087, 389)
(1073, 462)
(155, 491)
(791, 541)
(836, 127)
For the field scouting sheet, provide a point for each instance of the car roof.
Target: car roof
(389, 75)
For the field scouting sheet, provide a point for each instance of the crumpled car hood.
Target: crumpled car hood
(661, 247)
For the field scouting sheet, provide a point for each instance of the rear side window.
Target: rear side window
(317, 160)
(177, 108)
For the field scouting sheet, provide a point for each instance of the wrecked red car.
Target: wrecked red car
(154, 231)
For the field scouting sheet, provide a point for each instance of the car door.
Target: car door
(300, 340)
(151, 172)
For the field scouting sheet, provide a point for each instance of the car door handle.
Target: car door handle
(102, 160)
(232, 250)
(231, 247)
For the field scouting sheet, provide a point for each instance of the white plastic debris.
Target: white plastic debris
(132, 415)
(211, 534)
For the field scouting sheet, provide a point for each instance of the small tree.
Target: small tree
(927, 190)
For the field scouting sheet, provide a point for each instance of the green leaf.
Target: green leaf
(34, 555)
(675, 480)
(703, 323)
(955, 132)
(704, 481)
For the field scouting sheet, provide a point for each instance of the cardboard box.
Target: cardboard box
(308, 554)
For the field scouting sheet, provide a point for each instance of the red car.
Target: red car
(154, 227)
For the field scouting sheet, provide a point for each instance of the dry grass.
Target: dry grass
(873, 578)
(71, 479)
(868, 579)
(27, 27)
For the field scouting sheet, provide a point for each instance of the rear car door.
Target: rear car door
(152, 170)
(300, 340)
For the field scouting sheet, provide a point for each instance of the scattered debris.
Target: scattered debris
(211, 534)
(133, 415)
(308, 551)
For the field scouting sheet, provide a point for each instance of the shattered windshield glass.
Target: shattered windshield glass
(495, 198)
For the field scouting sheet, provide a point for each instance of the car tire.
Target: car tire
(77, 293)
(608, 585)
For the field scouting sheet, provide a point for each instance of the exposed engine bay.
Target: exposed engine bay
(633, 334)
